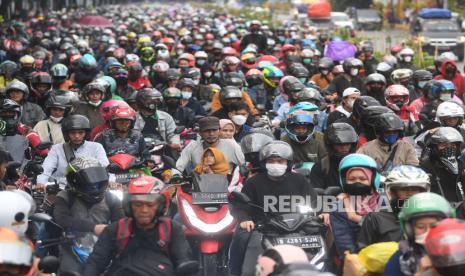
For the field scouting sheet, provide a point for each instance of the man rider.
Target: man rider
(31, 113)
(93, 95)
(144, 253)
(183, 116)
(254, 37)
(76, 129)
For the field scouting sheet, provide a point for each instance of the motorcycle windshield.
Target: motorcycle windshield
(211, 183)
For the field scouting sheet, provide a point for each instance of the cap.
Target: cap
(350, 91)
(209, 123)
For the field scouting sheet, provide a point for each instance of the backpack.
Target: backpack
(124, 233)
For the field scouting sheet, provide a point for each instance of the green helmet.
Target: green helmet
(111, 82)
(59, 71)
(423, 204)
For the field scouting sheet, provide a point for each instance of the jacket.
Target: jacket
(91, 112)
(183, 116)
(133, 144)
(321, 80)
(311, 151)
(166, 126)
(405, 153)
(325, 173)
(142, 253)
(216, 104)
(378, 227)
(345, 232)
(49, 131)
(458, 80)
(31, 113)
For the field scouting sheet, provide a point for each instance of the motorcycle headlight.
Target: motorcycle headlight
(201, 225)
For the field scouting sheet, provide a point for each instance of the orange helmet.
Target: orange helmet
(189, 57)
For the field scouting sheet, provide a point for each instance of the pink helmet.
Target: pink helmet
(106, 109)
(396, 96)
(281, 83)
(231, 60)
(279, 255)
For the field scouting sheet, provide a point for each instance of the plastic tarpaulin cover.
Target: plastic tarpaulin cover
(340, 50)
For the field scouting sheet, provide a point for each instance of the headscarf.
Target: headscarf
(225, 122)
(365, 204)
(221, 166)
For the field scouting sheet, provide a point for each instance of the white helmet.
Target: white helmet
(406, 54)
(15, 208)
(448, 56)
(400, 74)
(391, 60)
(201, 54)
(449, 109)
(407, 176)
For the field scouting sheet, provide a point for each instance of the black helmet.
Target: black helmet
(230, 92)
(433, 89)
(276, 149)
(388, 122)
(173, 74)
(340, 133)
(311, 95)
(361, 103)
(298, 70)
(421, 77)
(251, 145)
(58, 101)
(443, 135)
(233, 79)
(326, 63)
(148, 98)
(10, 113)
(375, 78)
(94, 85)
(292, 85)
(369, 119)
(351, 63)
(87, 178)
(192, 73)
(447, 156)
(74, 122)
(186, 82)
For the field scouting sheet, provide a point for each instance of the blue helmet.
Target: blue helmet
(306, 119)
(304, 106)
(359, 160)
(87, 61)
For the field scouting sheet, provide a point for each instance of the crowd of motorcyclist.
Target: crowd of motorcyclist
(266, 110)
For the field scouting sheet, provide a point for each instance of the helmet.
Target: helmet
(351, 63)
(192, 73)
(186, 82)
(189, 57)
(304, 108)
(421, 77)
(230, 92)
(201, 55)
(444, 245)
(123, 112)
(396, 96)
(299, 71)
(8, 69)
(231, 60)
(401, 75)
(406, 176)
(443, 135)
(58, 101)
(278, 257)
(340, 133)
(74, 122)
(253, 77)
(272, 59)
(406, 52)
(160, 66)
(375, 78)
(254, 141)
(449, 109)
(311, 95)
(173, 74)
(94, 85)
(147, 53)
(26, 59)
(110, 84)
(325, 63)
(290, 85)
(395, 49)
(423, 204)
(388, 122)
(276, 149)
(270, 76)
(229, 51)
(249, 61)
(59, 71)
(39, 78)
(87, 62)
(87, 178)
(144, 188)
(300, 119)
(369, 118)
(148, 98)
(16, 207)
(361, 103)
(107, 107)
(11, 122)
(15, 251)
(172, 92)
(434, 88)
(359, 160)
(17, 86)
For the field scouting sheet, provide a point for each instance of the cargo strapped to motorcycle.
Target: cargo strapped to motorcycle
(124, 233)
(69, 153)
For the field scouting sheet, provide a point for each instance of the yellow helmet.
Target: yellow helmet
(26, 59)
(131, 35)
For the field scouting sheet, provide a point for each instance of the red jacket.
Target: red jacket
(458, 80)
(140, 83)
(98, 129)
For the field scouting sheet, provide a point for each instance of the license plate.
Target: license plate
(126, 177)
(442, 48)
(303, 242)
(209, 198)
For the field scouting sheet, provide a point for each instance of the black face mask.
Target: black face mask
(451, 70)
(121, 81)
(172, 104)
(397, 204)
(357, 189)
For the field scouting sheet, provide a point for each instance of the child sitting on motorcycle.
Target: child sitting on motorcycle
(85, 209)
(213, 162)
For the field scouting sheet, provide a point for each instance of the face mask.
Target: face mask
(95, 104)
(208, 74)
(276, 170)
(354, 72)
(120, 81)
(391, 139)
(350, 103)
(420, 239)
(55, 119)
(307, 61)
(179, 52)
(324, 72)
(445, 97)
(196, 81)
(172, 104)
(448, 152)
(421, 84)
(357, 189)
(186, 95)
(201, 62)
(303, 80)
(239, 119)
(450, 70)
(408, 59)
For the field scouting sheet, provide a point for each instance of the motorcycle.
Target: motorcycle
(203, 210)
(303, 229)
(187, 135)
(159, 162)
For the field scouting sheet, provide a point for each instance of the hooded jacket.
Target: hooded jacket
(458, 80)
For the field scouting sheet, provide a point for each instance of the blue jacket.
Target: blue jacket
(345, 232)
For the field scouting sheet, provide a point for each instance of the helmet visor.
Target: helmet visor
(92, 180)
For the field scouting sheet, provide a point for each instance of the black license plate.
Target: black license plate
(209, 198)
(303, 242)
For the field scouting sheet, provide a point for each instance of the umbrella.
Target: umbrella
(95, 21)
(340, 50)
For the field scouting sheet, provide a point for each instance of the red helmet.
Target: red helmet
(145, 188)
(229, 51)
(106, 108)
(249, 61)
(396, 96)
(395, 49)
(445, 245)
(189, 57)
(209, 36)
(252, 72)
(123, 112)
(287, 48)
(269, 58)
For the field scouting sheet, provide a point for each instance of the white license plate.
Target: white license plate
(304, 242)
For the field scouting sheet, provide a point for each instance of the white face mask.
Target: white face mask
(196, 81)
(95, 104)
(239, 119)
(445, 97)
(208, 74)
(186, 95)
(201, 62)
(276, 170)
(420, 239)
(408, 58)
(55, 119)
(324, 72)
(350, 104)
(354, 72)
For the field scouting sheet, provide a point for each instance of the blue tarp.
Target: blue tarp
(435, 13)
(340, 50)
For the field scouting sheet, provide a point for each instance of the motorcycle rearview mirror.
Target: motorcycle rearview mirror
(49, 264)
(333, 191)
(187, 268)
(44, 145)
(240, 197)
(179, 129)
